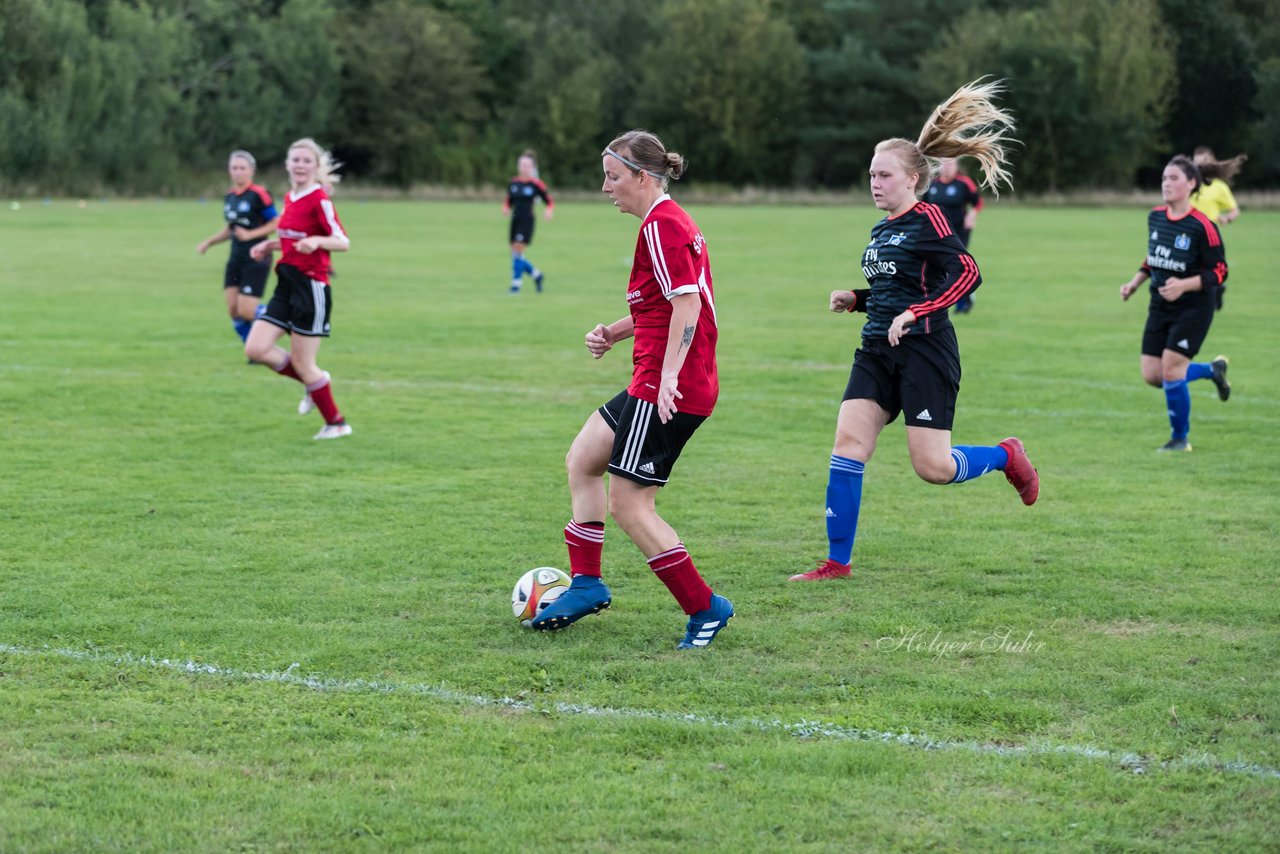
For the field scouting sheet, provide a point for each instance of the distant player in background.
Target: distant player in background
(637, 437)
(523, 190)
(1187, 266)
(1214, 198)
(909, 361)
(301, 305)
(958, 197)
(250, 217)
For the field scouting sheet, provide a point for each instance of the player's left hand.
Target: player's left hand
(1172, 289)
(241, 233)
(899, 327)
(668, 394)
(547, 215)
(307, 245)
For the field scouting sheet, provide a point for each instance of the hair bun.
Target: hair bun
(675, 165)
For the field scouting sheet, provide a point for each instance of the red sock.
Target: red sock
(585, 541)
(676, 569)
(322, 397)
(286, 370)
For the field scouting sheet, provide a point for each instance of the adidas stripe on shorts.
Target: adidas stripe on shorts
(644, 449)
(919, 378)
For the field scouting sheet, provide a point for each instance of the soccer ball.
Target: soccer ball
(535, 590)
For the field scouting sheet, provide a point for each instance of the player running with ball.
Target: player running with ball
(637, 437)
(909, 361)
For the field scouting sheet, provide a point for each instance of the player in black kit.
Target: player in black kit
(958, 197)
(909, 361)
(523, 190)
(1187, 266)
(250, 217)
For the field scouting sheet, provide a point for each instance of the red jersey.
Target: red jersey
(308, 213)
(671, 259)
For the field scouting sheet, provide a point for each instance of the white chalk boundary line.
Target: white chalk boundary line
(804, 729)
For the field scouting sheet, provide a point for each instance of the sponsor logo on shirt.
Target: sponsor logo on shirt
(1182, 241)
(290, 234)
(634, 297)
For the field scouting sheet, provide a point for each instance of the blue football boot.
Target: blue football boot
(705, 625)
(586, 595)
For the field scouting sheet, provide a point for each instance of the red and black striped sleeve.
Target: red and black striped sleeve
(1213, 257)
(942, 249)
(544, 193)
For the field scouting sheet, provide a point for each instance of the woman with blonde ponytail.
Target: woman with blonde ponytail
(909, 361)
(301, 305)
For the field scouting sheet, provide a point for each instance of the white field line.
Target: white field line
(1131, 762)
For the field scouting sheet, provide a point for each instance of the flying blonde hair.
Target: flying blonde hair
(967, 124)
(327, 173)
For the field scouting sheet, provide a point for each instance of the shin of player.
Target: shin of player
(909, 362)
(637, 436)
(301, 305)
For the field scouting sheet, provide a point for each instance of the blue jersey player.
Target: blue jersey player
(1187, 266)
(250, 216)
(523, 190)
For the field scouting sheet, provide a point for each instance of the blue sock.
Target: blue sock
(844, 497)
(1199, 371)
(1178, 396)
(517, 268)
(976, 460)
(241, 327)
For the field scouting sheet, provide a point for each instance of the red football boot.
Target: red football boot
(1020, 472)
(825, 570)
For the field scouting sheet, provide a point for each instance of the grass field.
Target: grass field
(217, 634)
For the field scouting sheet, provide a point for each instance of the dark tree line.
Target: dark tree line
(150, 95)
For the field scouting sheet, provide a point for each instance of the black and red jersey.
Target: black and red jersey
(521, 193)
(955, 197)
(915, 261)
(1190, 245)
(249, 208)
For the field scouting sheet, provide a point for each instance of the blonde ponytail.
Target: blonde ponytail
(969, 124)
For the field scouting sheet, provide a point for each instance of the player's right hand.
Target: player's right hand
(843, 300)
(1126, 290)
(597, 341)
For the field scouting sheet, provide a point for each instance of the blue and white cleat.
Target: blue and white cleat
(586, 595)
(705, 625)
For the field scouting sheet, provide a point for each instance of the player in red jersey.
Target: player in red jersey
(307, 232)
(909, 361)
(637, 437)
(250, 217)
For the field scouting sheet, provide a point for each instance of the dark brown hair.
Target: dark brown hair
(1189, 168)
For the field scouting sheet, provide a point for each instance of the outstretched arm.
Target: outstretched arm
(601, 339)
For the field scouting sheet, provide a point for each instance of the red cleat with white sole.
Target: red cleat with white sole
(1019, 471)
(826, 570)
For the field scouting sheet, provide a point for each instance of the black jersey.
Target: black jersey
(955, 198)
(1188, 246)
(521, 193)
(251, 208)
(914, 261)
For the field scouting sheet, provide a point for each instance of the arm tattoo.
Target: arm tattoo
(688, 335)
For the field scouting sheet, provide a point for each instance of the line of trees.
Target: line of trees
(150, 95)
